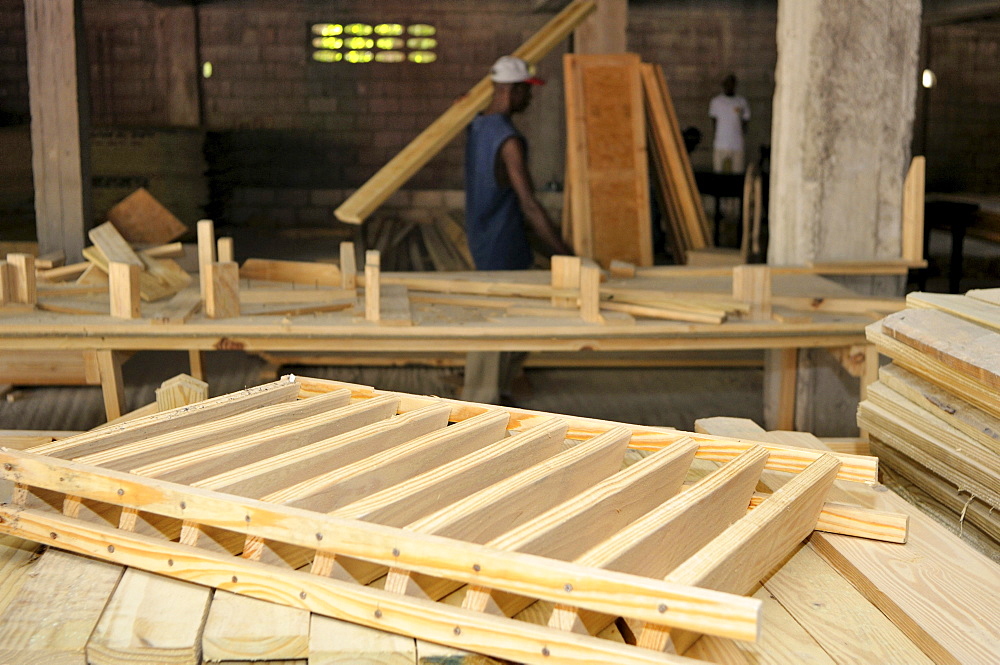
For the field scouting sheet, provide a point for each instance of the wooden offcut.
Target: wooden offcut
(607, 158)
(124, 290)
(140, 218)
(222, 295)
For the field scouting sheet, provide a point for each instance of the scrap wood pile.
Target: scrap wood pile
(934, 415)
(520, 535)
(619, 119)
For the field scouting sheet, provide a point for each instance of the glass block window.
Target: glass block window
(358, 43)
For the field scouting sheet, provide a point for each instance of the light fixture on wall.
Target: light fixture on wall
(928, 79)
(206, 69)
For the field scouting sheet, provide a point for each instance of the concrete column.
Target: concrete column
(844, 105)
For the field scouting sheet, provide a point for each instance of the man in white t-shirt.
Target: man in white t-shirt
(729, 113)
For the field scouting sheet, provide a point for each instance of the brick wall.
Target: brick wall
(961, 111)
(698, 44)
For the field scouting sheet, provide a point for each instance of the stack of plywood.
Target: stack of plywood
(616, 108)
(934, 414)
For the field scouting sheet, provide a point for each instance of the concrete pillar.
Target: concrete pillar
(844, 105)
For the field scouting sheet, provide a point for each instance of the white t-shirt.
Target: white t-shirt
(729, 114)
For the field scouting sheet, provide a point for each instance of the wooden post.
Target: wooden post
(913, 210)
(348, 266)
(222, 298)
(195, 364)
(5, 283)
(124, 290)
(604, 31)
(372, 271)
(57, 88)
(226, 252)
(590, 293)
(22, 283)
(110, 365)
(565, 275)
(752, 284)
(206, 253)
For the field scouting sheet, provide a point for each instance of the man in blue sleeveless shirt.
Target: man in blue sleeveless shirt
(499, 200)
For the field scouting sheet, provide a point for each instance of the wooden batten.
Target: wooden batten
(913, 210)
(565, 275)
(22, 278)
(6, 284)
(590, 293)
(752, 284)
(222, 299)
(124, 290)
(372, 285)
(206, 254)
(348, 266)
(180, 390)
(226, 250)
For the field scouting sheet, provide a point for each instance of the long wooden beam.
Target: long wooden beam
(440, 132)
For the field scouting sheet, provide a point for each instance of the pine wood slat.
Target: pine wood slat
(484, 515)
(568, 530)
(544, 578)
(665, 537)
(974, 307)
(241, 628)
(113, 245)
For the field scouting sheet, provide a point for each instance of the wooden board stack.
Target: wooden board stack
(430, 518)
(934, 414)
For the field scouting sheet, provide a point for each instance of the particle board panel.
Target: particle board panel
(611, 188)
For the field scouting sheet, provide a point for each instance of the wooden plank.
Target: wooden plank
(348, 266)
(17, 557)
(6, 283)
(140, 218)
(59, 124)
(141, 625)
(913, 210)
(604, 30)
(435, 137)
(292, 272)
(204, 412)
(113, 245)
(485, 515)
(568, 530)
(975, 310)
(151, 287)
(179, 309)
(956, 343)
(21, 271)
(124, 290)
(590, 293)
(746, 551)
(687, 522)
(225, 250)
(565, 275)
(206, 253)
(372, 285)
(611, 174)
(752, 284)
(222, 294)
(241, 628)
(333, 642)
(52, 616)
(180, 390)
(641, 598)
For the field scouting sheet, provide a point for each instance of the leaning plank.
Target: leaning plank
(543, 578)
(746, 551)
(293, 272)
(433, 139)
(203, 412)
(150, 618)
(241, 628)
(114, 247)
(664, 538)
(54, 613)
(484, 515)
(497, 636)
(139, 217)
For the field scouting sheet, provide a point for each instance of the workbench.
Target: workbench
(808, 312)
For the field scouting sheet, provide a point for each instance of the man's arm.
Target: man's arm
(512, 154)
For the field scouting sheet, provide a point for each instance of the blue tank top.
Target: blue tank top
(493, 219)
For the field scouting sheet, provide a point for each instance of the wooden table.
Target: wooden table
(453, 327)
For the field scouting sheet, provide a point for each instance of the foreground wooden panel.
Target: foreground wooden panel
(326, 510)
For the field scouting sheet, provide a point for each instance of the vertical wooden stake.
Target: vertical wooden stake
(22, 283)
(913, 210)
(180, 390)
(222, 299)
(372, 270)
(788, 380)
(565, 275)
(195, 365)
(752, 284)
(590, 293)
(206, 253)
(5, 284)
(110, 365)
(124, 290)
(348, 266)
(226, 251)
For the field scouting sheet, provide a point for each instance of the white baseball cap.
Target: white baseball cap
(509, 69)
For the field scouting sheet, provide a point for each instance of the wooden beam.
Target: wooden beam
(565, 275)
(590, 293)
(6, 283)
(140, 218)
(60, 123)
(348, 266)
(604, 31)
(294, 272)
(222, 297)
(372, 286)
(913, 210)
(124, 290)
(225, 250)
(206, 253)
(433, 139)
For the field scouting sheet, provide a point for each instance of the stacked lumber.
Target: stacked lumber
(616, 107)
(934, 414)
(519, 535)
